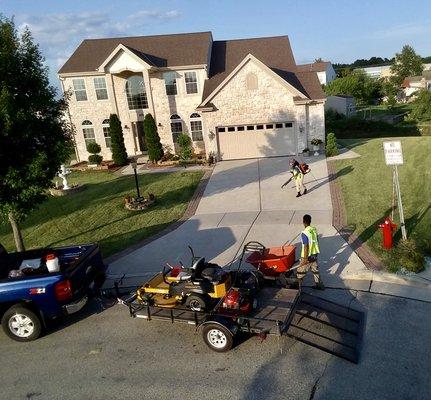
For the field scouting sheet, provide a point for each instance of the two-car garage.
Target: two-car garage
(256, 140)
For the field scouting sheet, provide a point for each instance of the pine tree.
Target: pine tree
(34, 137)
(119, 154)
(152, 139)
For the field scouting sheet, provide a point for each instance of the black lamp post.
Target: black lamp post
(134, 165)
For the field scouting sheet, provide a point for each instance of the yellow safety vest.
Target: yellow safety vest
(296, 173)
(313, 243)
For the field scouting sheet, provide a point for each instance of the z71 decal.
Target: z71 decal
(37, 291)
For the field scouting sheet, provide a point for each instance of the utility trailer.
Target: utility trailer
(312, 320)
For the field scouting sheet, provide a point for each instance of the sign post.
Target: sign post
(394, 156)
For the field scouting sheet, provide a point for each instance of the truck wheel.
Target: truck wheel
(197, 302)
(217, 337)
(21, 324)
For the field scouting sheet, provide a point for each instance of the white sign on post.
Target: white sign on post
(393, 153)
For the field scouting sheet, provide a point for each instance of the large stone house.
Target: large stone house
(235, 98)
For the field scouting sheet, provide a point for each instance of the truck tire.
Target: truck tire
(197, 302)
(21, 324)
(217, 337)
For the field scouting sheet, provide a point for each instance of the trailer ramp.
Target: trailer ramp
(328, 326)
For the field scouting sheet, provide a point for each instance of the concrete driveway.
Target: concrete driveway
(243, 201)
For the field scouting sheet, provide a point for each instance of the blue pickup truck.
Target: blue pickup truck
(31, 296)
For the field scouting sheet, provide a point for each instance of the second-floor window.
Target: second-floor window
(79, 89)
(135, 92)
(191, 82)
(170, 83)
(100, 87)
(88, 132)
(106, 133)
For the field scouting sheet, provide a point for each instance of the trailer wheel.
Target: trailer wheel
(21, 324)
(217, 337)
(197, 302)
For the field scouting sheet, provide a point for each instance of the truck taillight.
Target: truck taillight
(63, 290)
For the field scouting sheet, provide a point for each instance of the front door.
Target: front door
(138, 132)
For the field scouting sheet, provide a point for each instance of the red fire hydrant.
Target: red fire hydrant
(387, 227)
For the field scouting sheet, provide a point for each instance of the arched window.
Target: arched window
(176, 126)
(106, 133)
(196, 127)
(251, 81)
(135, 92)
(88, 132)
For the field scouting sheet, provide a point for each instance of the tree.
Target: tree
(359, 85)
(119, 154)
(319, 59)
(152, 138)
(422, 107)
(407, 63)
(34, 137)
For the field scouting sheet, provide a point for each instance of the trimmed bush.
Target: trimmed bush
(331, 145)
(95, 159)
(119, 154)
(185, 143)
(152, 139)
(94, 148)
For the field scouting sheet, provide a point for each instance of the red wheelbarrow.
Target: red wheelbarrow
(274, 263)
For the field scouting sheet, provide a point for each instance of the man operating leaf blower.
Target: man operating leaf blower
(298, 171)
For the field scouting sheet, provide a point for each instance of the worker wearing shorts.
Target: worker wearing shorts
(309, 254)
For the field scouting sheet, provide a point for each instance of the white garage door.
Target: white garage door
(256, 140)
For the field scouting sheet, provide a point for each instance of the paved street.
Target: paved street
(111, 356)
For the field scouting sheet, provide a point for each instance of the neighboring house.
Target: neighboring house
(414, 83)
(235, 98)
(325, 71)
(342, 103)
(384, 71)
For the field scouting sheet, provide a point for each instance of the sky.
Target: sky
(338, 31)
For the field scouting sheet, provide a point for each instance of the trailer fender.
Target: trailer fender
(227, 323)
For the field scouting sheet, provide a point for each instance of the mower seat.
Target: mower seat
(214, 273)
(185, 275)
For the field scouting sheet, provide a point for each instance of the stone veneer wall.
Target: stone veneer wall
(270, 102)
(182, 104)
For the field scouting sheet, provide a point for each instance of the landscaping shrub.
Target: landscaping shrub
(422, 107)
(119, 154)
(410, 256)
(152, 138)
(331, 145)
(95, 159)
(185, 144)
(94, 149)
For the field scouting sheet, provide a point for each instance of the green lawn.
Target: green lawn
(366, 184)
(97, 213)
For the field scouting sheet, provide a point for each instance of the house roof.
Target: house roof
(314, 67)
(274, 52)
(159, 51)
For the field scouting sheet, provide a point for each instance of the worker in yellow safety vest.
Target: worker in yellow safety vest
(309, 253)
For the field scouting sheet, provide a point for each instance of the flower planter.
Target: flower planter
(316, 149)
